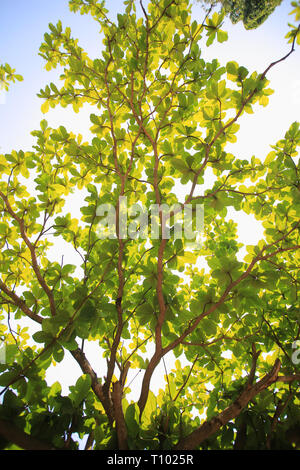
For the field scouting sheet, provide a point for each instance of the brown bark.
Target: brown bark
(15, 435)
(241, 436)
(20, 303)
(119, 416)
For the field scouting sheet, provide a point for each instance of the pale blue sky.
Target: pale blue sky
(22, 27)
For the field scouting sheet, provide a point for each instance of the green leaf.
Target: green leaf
(179, 164)
(55, 389)
(45, 107)
(58, 353)
(145, 312)
(132, 420)
(80, 390)
(42, 337)
(150, 408)
(222, 36)
(7, 377)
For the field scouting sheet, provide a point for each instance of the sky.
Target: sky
(23, 24)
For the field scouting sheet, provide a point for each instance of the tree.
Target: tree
(251, 12)
(162, 114)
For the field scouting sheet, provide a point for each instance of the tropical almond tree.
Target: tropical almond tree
(153, 273)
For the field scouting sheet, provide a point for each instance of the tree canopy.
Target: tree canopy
(251, 12)
(230, 318)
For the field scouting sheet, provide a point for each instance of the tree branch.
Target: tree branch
(97, 388)
(119, 416)
(13, 434)
(20, 303)
(31, 248)
(210, 427)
